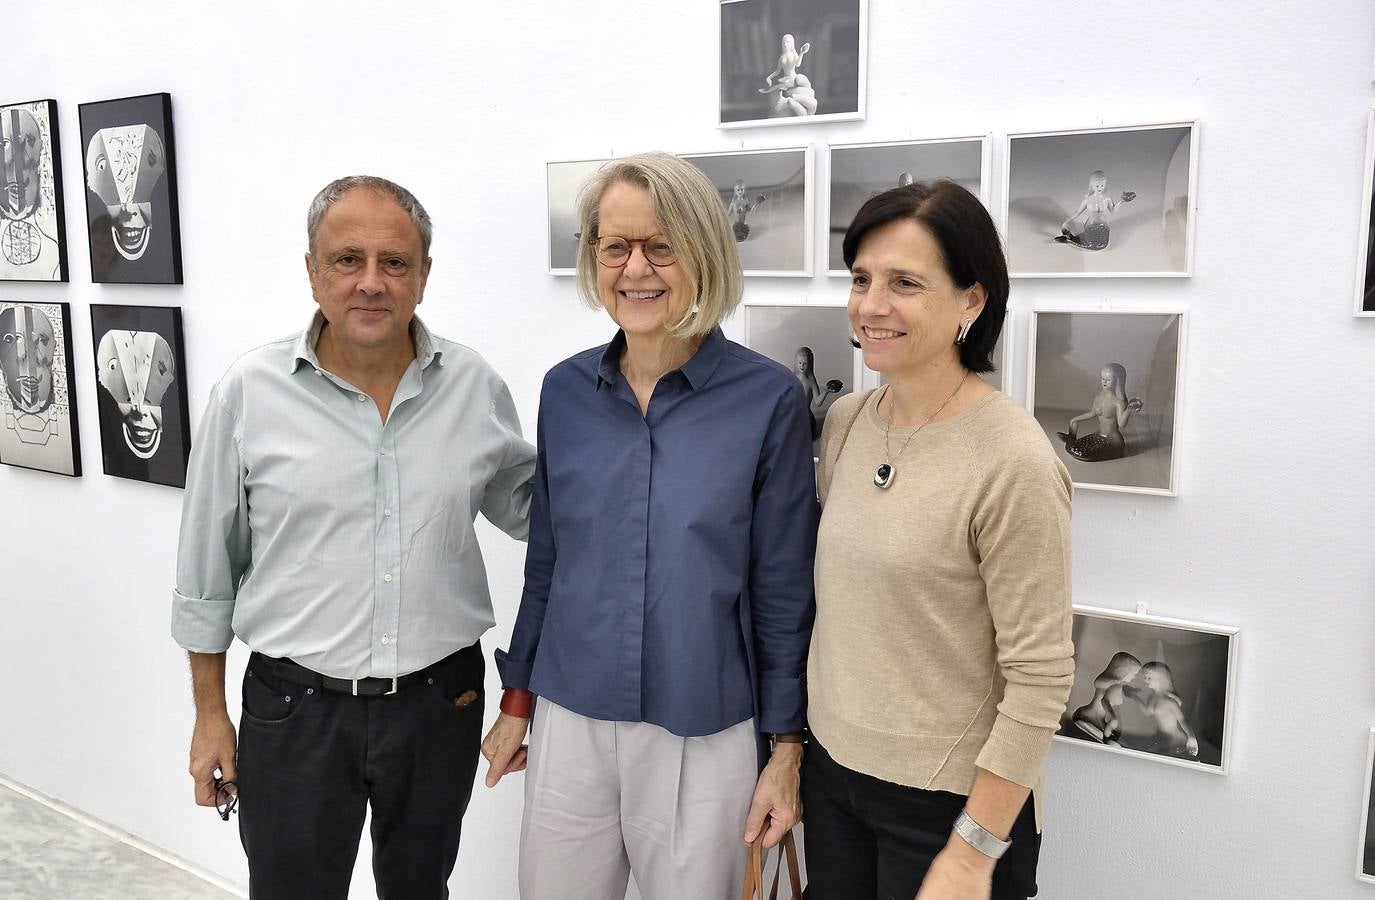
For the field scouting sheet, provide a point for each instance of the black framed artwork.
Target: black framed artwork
(33, 228)
(140, 364)
(38, 426)
(131, 190)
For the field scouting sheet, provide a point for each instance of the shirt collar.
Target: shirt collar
(425, 350)
(697, 370)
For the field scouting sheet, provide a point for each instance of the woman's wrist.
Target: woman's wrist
(517, 702)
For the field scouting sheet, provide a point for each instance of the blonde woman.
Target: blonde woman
(668, 599)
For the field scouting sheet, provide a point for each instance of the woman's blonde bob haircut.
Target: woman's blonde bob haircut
(692, 217)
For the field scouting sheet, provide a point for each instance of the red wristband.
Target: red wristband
(517, 702)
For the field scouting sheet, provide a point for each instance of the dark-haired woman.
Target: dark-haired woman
(941, 658)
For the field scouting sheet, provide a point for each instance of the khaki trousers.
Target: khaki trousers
(607, 799)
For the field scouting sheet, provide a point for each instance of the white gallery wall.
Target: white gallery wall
(464, 102)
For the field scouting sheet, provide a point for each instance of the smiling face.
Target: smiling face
(27, 346)
(904, 308)
(643, 299)
(368, 272)
(123, 166)
(21, 141)
(1098, 183)
(136, 368)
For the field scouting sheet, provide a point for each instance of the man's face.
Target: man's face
(23, 148)
(27, 345)
(123, 166)
(136, 368)
(367, 271)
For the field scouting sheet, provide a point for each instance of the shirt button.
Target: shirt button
(386, 640)
(383, 451)
(362, 398)
(318, 372)
(387, 512)
(387, 578)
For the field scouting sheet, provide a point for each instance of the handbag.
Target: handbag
(754, 870)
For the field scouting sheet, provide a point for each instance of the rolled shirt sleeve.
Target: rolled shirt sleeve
(515, 665)
(783, 548)
(506, 499)
(213, 549)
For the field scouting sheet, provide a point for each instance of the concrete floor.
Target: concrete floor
(45, 855)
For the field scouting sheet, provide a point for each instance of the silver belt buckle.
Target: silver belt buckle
(387, 694)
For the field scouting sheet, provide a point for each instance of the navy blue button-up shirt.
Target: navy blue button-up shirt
(669, 574)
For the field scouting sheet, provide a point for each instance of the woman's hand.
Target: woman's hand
(959, 872)
(504, 747)
(777, 796)
(1135, 404)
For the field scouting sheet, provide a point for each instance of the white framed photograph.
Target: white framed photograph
(856, 172)
(814, 343)
(1365, 253)
(787, 62)
(1152, 687)
(563, 180)
(768, 198)
(1105, 386)
(1104, 202)
(1365, 849)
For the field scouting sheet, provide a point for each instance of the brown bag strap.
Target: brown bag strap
(828, 463)
(754, 870)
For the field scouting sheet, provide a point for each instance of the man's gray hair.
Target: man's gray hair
(341, 186)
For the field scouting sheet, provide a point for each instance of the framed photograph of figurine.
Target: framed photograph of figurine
(140, 368)
(38, 424)
(1105, 202)
(786, 62)
(1365, 849)
(33, 225)
(131, 190)
(814, 343)
(1151, 687)
(563, 180)
(1365, 264)
(768, 198)
(1105, 386)
(857, 172)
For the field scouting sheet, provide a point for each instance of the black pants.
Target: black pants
(311, 760)
(871, 838)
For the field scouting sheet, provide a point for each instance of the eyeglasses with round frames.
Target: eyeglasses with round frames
(614, 251)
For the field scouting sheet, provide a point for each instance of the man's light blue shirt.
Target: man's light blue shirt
(313, 530)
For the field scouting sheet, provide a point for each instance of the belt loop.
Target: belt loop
(355, 687)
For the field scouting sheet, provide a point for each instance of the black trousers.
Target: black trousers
(870, 838)
(311, 760)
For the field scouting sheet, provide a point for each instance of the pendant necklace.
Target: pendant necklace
(887, 470)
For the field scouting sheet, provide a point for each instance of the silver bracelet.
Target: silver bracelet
(980, 838)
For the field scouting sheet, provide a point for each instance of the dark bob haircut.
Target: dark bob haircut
(969, 248)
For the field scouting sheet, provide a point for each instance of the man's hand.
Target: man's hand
(213, 746)
(504, 747)
(959, 872)
(777, 796)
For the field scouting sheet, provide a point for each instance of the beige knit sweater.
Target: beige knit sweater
(942, 638)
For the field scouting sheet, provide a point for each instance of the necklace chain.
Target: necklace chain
(883, 476)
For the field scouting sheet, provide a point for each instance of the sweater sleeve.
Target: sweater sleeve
(1022, 532)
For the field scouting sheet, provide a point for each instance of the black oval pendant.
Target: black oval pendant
(883, 475)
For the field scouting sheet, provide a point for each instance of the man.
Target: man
(328, 523)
